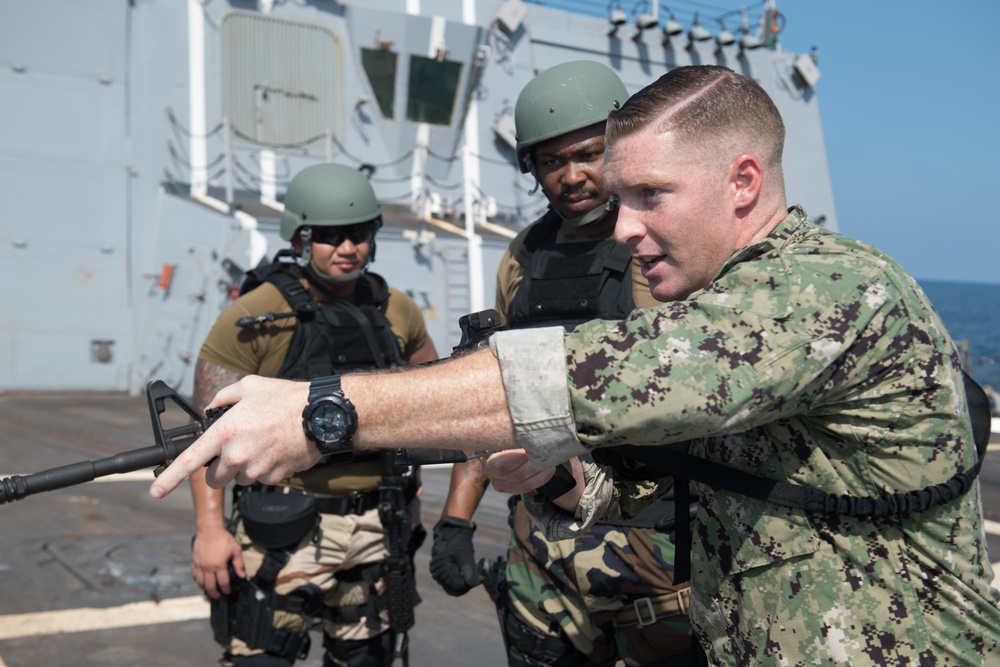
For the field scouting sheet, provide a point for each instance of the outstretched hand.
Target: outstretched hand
(511, 471)
(259, 439)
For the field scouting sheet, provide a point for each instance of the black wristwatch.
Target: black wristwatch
(330, 420)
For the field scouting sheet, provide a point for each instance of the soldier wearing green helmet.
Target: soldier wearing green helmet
(609, 594)
(314, 310)
(311, 205)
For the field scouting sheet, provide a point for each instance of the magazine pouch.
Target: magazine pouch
(277, 518)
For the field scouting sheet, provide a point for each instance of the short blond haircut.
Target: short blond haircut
(706, 105)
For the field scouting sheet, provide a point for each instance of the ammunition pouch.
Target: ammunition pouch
(374, 652)
(277, 518)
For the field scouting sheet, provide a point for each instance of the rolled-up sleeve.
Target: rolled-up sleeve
(557, 524)
(533, 368)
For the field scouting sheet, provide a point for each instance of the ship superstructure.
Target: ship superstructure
(146, 146)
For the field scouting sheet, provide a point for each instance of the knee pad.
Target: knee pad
(526, 647)
(374, 652)
(261, 660)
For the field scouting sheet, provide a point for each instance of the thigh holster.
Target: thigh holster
(278, 521)
(370, 611)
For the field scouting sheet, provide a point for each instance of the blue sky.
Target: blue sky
(910, 99)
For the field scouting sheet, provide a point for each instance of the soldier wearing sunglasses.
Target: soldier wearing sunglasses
(315, 310)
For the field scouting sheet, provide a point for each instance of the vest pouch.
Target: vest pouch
(276, 519)
(569, 283)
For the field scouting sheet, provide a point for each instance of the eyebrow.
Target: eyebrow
(637, 184)
(592, 144)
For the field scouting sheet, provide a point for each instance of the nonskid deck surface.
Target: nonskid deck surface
(99, 574)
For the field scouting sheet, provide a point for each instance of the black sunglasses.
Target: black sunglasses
(336, 235)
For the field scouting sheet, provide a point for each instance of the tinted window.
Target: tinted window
(432, 90)
(380, 66)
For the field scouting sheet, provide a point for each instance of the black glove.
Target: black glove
(453, 558)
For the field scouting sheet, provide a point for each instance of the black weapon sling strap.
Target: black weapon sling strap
(359, 331)
(366, 295)
(661, 461)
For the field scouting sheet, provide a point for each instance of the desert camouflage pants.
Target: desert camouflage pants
(342, 543)
(577, 587)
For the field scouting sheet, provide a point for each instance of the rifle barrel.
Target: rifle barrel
(19, 486)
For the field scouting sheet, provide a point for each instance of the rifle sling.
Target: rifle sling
(686, 466)
(664, 461)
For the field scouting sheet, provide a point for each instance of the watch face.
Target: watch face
(329, 422)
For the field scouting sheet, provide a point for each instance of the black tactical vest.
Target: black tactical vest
(335, 337)
(567, 284)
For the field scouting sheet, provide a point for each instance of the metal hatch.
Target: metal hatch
(282, 80)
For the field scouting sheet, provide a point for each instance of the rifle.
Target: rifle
(400, 578)
(393, 507)
(170, 442)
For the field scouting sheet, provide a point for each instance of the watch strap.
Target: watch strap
(323, 386)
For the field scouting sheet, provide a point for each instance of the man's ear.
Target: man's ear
(297, 244)
(747, 176)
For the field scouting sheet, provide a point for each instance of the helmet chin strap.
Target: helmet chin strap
(529, 160)
(305, 259)
(336, 280)
(591, 216)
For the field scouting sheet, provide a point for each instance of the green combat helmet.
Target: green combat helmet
(328, 195)
(561, 99)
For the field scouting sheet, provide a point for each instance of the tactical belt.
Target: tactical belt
(646, 611)
(355, 502)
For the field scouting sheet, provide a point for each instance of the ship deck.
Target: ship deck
(98, 574)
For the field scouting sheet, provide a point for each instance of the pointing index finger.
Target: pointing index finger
(192, 459)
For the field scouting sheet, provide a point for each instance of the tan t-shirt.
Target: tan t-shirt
(260, 350)
(511, 273)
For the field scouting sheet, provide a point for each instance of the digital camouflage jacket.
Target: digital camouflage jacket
(815, 359)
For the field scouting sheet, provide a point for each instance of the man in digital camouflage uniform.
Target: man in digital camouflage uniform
(782, 349)
(331, 315)
(573, 601)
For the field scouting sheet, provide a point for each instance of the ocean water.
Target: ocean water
(971, 311)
